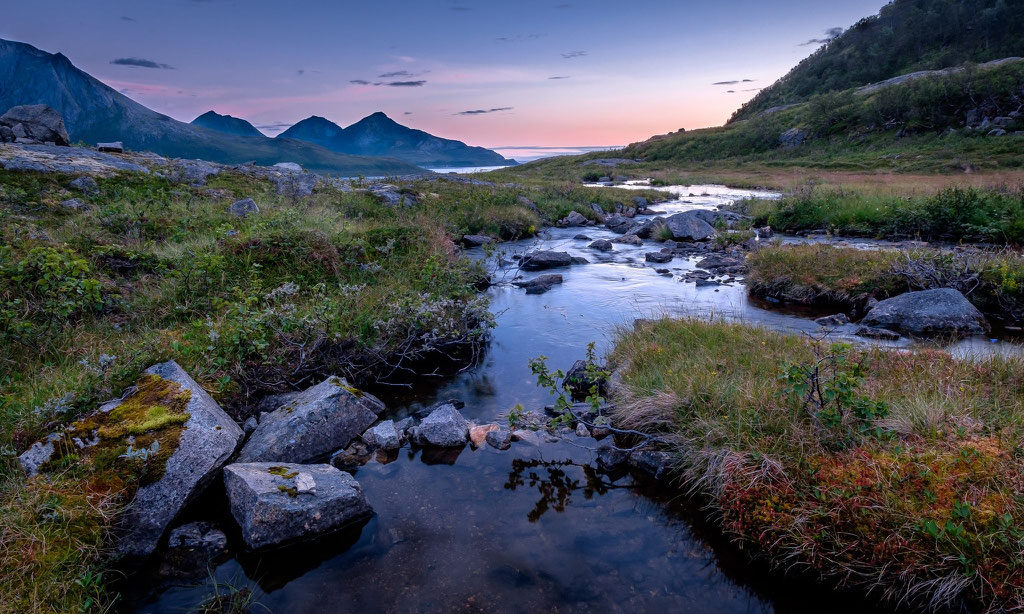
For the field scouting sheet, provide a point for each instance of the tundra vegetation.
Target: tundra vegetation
(894, 471)
(148, 270)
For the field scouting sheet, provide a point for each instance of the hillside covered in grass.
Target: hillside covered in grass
(906, 36)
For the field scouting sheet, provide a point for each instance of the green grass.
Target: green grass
(994, 215)
(845, 277)
(909, 486)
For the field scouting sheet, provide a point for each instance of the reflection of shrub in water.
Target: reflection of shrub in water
(557, 489)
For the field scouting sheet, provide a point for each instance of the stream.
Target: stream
(530, 529)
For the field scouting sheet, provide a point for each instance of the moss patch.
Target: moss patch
(282, 471)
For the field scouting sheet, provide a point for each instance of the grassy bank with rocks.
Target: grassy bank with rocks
(898, 472)
(845, 278)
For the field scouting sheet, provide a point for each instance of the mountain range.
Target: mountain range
(226, 124)
(379, 135)
(94, 112)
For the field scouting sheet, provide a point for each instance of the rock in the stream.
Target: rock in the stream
(928, 312)
(444, 427)
(618, 224)
(540, 284)
(575, 218)
(579, 383)
(36, 123)
(526, 436)
(547, 259)
(277, 503)
(199, 536)
(883, 334)
(581, 237)
(602, 245)
(207, 440)
(629, 239)
(243, 208)
(324, 418)
(658, 257)
(610, 459)
(384, 436)
(500, 438)
(652, 463)
(478, 434)
(687, 226)
(832, 321)
(476, 240)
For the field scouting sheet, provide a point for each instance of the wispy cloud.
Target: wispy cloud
(127, 18)
(141, 63)
(461, 8)
(485, 111)
(359, 82)
(574, 54)
(564, 5)
(559, 77)
(274, 127)
(830, 34)
(300, 72)
(518, 38)
(411, 83)
(733, 82)
(397, 73)
(418, 83)
(407, 113)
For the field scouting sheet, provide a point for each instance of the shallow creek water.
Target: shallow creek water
(529, 529)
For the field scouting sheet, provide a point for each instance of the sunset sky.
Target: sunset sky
(526, 73)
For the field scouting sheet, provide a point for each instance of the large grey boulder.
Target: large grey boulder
(547, 259)
(324, 418)
(208, 439)
(928, 312)
(687, 226)
(618, 224)
(36, 123)
(444, 427)
(793, 137)
(277, 503)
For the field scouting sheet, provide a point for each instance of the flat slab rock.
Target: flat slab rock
(278, 503)
(928, 312)
(541, 260)
(320, 420)
(209, 438)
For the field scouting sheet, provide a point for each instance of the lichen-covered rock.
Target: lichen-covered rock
(928, 312)
(444, 427)
(277, 503)
(38, 454)
(321, 420)
(208, 438)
